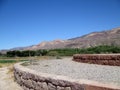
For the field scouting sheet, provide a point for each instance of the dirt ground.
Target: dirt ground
(7, 80)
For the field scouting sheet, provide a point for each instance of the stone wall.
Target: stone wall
(103, 59)
(32, 80)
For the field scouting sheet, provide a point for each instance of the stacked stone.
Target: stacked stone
(30, 80)
(103, 59)
(33, 82)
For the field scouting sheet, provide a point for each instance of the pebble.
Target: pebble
(76, 70)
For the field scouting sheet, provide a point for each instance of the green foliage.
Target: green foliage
(58, 57)
(52, 53)
(10, 61)
(104, 49)
(44, 52)
(0, 54)
(7, 61)
(11, 53)
(26, 53)
(38, 53)
(65, 51)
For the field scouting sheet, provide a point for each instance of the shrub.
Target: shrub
(52, 53)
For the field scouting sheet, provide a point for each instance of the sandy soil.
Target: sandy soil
(7, 80)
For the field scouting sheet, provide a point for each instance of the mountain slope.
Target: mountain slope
(48, 45)
(110, 37)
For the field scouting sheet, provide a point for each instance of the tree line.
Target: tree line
(65, 52)
(26, 53)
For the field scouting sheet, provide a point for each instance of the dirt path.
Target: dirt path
(7, 81)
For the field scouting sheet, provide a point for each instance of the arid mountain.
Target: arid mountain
(109, 37)
(48, 45)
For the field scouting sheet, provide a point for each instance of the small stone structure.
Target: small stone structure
(32, 80)
(103, 59)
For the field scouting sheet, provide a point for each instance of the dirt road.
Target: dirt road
(7, 80)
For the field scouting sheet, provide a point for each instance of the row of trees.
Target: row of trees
(0, 54)
(91, 50)
(65, 52)
(26, 53)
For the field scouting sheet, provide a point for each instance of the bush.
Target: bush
(65, 51)
(52, 53)
(58, 57)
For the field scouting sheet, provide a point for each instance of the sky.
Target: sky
(29, 22)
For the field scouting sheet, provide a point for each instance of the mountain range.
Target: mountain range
(107, 37)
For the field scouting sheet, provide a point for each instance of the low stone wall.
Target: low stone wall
(32, 80)
(103, 59)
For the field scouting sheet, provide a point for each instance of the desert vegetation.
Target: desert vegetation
(63, 52)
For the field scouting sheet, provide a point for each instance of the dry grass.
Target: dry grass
(27, 58)
(10, 68)
(9, 61)
(0, 66)
(6, 65)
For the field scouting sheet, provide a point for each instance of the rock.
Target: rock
(41, 86)
(30, 84)
(60, 88)
(51, 87)
(67, 88)
(44, 86)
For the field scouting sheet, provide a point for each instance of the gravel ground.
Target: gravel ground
(75, 70)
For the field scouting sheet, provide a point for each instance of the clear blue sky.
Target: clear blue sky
(29, 22)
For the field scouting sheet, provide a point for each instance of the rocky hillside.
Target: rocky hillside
(110, 37)
(48, 45)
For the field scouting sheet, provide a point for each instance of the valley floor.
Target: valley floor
(7, 80)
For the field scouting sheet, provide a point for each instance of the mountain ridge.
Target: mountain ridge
(106, 37)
